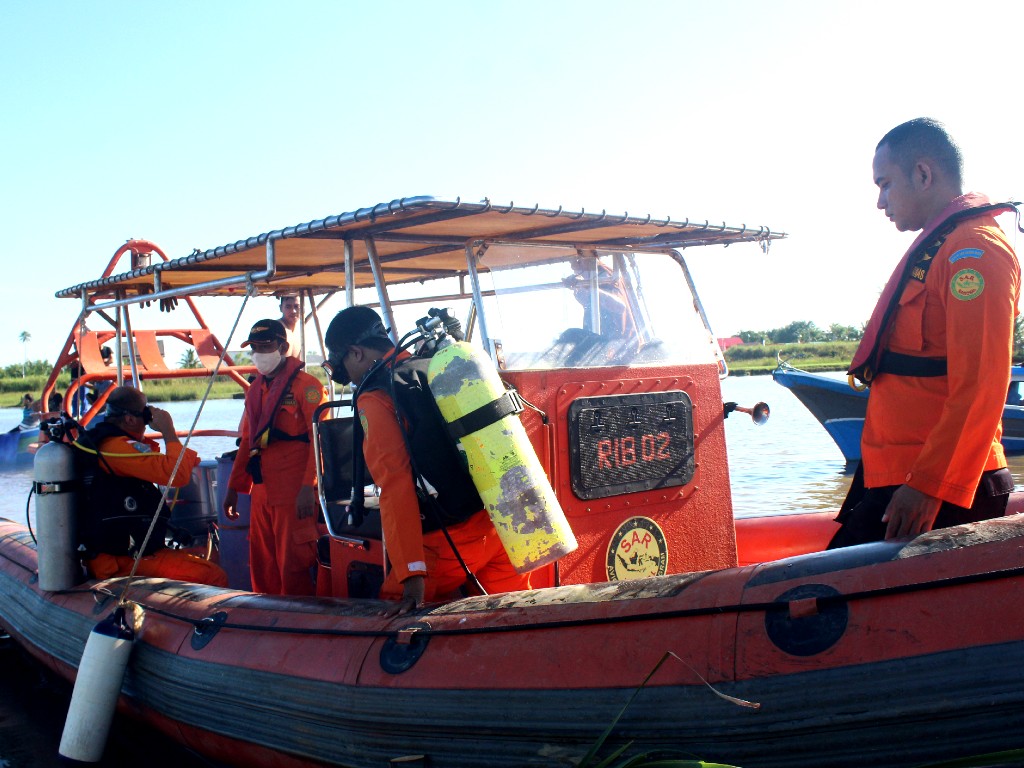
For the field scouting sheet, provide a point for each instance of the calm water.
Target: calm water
(788, 465)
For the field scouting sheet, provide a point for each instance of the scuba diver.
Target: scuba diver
(120, 468)
(437, 545)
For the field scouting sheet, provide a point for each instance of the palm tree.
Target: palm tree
(189, 360)
(25, 337)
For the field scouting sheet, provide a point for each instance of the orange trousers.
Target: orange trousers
(282, 548)
(480, 547)
(164, 563)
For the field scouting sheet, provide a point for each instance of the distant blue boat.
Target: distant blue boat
(840, 409)
(15, 447)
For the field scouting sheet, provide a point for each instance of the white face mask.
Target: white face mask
(266, 362)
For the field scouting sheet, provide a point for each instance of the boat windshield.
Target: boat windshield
(541, 314)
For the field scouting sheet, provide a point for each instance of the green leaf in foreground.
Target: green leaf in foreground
(652, 759)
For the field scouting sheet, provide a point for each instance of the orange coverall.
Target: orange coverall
(142, 459)
(938, 434)
(282, 546)
(410, 551)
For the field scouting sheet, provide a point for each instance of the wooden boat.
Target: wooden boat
(840, 409)
(733, 641)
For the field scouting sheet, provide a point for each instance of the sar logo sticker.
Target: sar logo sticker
(312, 395)
(637, 550)
(967, 284)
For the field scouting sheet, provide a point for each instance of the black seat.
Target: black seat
(335, 445)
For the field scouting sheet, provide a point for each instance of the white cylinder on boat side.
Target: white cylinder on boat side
(97, 687)
(53, 471)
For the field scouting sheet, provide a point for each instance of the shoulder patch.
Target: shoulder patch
(967, 284)
(140, 447)
(966, 253)
(312, 394)
(362, 422)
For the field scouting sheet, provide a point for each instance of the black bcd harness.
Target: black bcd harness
(114, 511)
(433, 453)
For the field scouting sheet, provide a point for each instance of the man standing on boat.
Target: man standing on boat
(120, 502)
(936, 351)
(427, 540)
(275, 465)
(290, 311)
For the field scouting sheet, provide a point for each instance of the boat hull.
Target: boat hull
(840, 409)
(532, 679)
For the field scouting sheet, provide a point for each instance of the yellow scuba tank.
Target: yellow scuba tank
(504, 467)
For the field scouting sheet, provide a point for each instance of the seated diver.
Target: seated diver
(615, 315)
(609, 337)
(120, 467)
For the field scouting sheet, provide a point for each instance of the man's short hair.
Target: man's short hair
(124, 399)
(924, 137)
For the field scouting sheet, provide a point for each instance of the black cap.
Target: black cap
(353, 326)
(266, 330)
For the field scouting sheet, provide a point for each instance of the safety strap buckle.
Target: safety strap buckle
(508, 404)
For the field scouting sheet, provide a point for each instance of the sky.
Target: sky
(195, 124)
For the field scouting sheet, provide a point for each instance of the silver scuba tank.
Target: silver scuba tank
(97, 687)
(53, 473)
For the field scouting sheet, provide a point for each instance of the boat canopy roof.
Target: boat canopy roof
(411, 240)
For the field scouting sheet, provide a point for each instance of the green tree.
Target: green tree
(24, 337)
(1018, 339)
(837, 332)
(796, 332)
(753, 337)
(189, 360)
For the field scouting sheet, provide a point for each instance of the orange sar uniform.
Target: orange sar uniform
(938, 434)
(282, 547)
(410, 551)
(142, 459)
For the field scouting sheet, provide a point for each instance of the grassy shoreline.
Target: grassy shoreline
(743, 360)
(758, 360)
(157, 390)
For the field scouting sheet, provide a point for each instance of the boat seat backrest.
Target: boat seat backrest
(336, 478)
(336, 459)
(89, 355)
(206, 348)
(149, 351)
